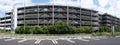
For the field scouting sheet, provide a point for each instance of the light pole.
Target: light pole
(13, 18)
(113, 30)
(12, 21)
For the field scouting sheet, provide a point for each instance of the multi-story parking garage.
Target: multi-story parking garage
(50, 14)
(108, 20)
(5, 22)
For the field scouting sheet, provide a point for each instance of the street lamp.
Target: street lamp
(12, 22)
(113, 30)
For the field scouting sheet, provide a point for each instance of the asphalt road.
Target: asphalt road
(83, 41)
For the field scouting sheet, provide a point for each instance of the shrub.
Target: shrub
(37, 30)
(88, 29)
(46, 28)
(80, 30)
(23, 30)
(117, 28)
(60, 28)
(27, 30)
(85, 29)
(19, 30)
(104, 29)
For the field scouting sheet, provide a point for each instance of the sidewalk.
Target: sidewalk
(29, 36)
(66, 36)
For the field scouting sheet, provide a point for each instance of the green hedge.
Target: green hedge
(117, 28)
(104, 29)
(58, 28)
(109, 29)
(85, 29)
(23, 30)
(37, 30)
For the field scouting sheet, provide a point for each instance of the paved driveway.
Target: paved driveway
(81, 41)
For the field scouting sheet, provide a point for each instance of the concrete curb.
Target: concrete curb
(53, 37)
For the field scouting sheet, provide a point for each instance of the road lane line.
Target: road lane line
(22, 41)
(9, 39)
(70, 41)
(96, 39)
(54, 41)
(84, 40)
(37, 42)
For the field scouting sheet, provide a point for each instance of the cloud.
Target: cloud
(7, 5)
(88, 4)
(113, 9)
(103, 3)
(78, 3)
(105, 6)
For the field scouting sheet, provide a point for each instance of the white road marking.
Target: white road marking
(96, 39)
(117, 36)
(62, 38)
(103, 38)
(22, 41)
(54, 41)
(70, 41)
(84, 40)
(88, 37)
(37, 42)
(9, 39)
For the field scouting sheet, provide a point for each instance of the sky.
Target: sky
(102, 6)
